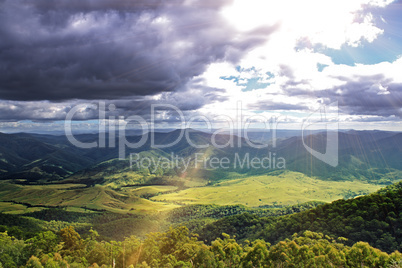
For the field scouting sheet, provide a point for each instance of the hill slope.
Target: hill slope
(375, 218)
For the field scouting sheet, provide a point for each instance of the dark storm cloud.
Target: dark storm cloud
(369, 95)
(359, 95)
(131, 5)
(185, 101)
(65, 50)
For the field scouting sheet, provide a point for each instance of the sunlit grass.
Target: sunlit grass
(286, 189)
(78, 199)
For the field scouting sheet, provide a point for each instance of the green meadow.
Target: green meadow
(288, 188)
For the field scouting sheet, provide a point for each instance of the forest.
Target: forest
(360, 232)
(177, 247)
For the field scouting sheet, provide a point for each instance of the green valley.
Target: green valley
(109, 203)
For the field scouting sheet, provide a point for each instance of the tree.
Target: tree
(42, 243)
(256, 255)
(34, 262)
(11, 251)
(227, 251)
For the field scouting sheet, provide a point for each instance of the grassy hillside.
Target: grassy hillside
(287, 188)
(77, 196)
(165, 193)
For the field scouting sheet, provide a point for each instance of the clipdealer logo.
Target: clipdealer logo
(327, 116)
(271, 161)
(238, 130)
(107, 132)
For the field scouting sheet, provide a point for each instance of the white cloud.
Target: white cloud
(330, 23)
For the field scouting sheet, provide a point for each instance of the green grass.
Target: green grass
(11, 208)
(142, 190)
(97, 197)
(285, 189)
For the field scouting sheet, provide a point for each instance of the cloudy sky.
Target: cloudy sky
(274, 59)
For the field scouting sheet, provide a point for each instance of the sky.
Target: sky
(187, 63)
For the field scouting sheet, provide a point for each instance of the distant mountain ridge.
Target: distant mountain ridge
(367, 155)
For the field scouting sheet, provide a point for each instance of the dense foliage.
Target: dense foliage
(375, 218)
(191, 212)
(178, 248)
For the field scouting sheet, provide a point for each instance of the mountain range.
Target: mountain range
(364, 155)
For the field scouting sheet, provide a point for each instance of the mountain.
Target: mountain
(25, 156)
(361, 156)
(364, 155)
